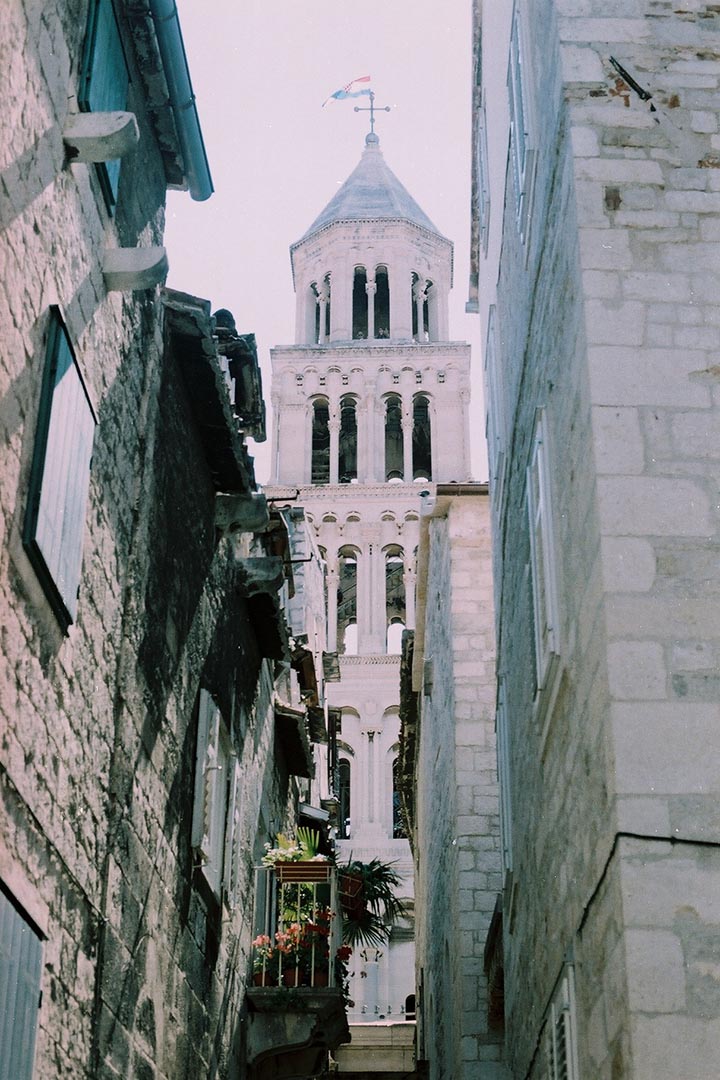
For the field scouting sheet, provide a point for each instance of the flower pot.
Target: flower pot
(264, 978)
(320, 978)
(291, 977)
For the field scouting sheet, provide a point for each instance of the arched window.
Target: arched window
(343, 828)
(382, 303)
(312, 316)
(347, 629)
(393, 439)
(360, 304)
(421, 442)
(399, 824)
(410, 1007)
(347, 460)
(420, 309)
(320, 467)
(394, 598)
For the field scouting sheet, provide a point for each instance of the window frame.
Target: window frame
(559, 1040)
(214, 767)
(502, 747)
(543, 560)
(495, 426)
(522, 127)
(108, 173)
(64, 509)
(21, 945)
(483, 176)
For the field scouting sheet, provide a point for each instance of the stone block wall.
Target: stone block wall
(457, 840)
(607, 316)
(143, 972)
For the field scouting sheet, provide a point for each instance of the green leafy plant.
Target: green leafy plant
(369, 901)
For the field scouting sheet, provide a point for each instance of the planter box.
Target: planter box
(301, 872)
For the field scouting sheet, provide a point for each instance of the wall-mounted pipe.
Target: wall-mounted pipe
(182, 99)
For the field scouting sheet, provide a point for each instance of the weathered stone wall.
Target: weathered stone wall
(457, 836)
(143, 971)
(607, 320)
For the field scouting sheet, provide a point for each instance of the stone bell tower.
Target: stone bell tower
(371, 409)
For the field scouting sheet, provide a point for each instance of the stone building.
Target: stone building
(597, 216)
(146, 750)
(371, 407)
(449, 781)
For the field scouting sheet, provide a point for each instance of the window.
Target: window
(542, 560)
(395, 611)
(382, 303)
(495, 424)
(104, 82)
(560, 1035)
(320, 467)
(347, 464)
(360, 304)
(343, 830)
(503, 769)
(521, 150)
(20, 973)
(210, 808)
(60, 476)
(399, 824)
(483, 176)
(394, 446)
(421, 441)
(347, 628)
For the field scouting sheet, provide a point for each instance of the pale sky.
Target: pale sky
(261, 70)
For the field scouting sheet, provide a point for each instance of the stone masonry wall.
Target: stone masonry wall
(608, 322)
(458, 829)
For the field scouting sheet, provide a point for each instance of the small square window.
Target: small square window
(104, 82)
(60, 476)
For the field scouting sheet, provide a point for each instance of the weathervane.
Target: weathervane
(371, 109)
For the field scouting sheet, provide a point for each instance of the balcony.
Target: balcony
(296, 1005)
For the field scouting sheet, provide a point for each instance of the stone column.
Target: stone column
(407, 426)
(371, 289)
(400, 282)
(409, 578)
(419, 296)
(332, 591)
(334, 429)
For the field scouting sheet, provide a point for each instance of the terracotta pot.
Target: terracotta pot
(291, 977)
(320, 978)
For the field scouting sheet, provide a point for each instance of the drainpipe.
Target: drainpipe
(182, 100)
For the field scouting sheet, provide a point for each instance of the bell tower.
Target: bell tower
(371, 410)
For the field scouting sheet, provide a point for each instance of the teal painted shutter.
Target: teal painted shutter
(104, 83)
(20, 971)
(66, 476)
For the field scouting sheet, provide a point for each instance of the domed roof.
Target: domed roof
(371, 191)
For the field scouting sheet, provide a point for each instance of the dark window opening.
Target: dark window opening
(343, 830)
(399, 824)
(421, 442)
(347, 605)
(394, 599)
(320, 471)
(316, 314)
(393, 439)
(382, 303)
(360, 304)
(327, 307)
(410, 1007)
(347, 463)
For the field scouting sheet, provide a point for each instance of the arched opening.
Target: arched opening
(393, 439)
(324, 318)
(359, 304)
(394, 598)
(420, 309)
(421, 442)
(382, 303)
(320, 464)
(410, 1013)
(312, 316)
(343, 793)
(347, 457)
(347, 629)
(399, 824)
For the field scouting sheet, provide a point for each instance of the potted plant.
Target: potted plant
(264, 973)
(369, 902)
(289, 851)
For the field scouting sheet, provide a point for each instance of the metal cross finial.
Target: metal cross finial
(371, 110)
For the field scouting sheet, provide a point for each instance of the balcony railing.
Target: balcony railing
(298, 926)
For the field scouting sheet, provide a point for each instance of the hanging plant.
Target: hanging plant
(369, 901)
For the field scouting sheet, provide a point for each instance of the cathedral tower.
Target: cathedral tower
(371, 409)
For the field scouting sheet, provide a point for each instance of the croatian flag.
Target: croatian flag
(349, 90)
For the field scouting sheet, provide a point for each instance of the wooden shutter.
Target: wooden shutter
(60, 478)
(104, 81)
(20, 972)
